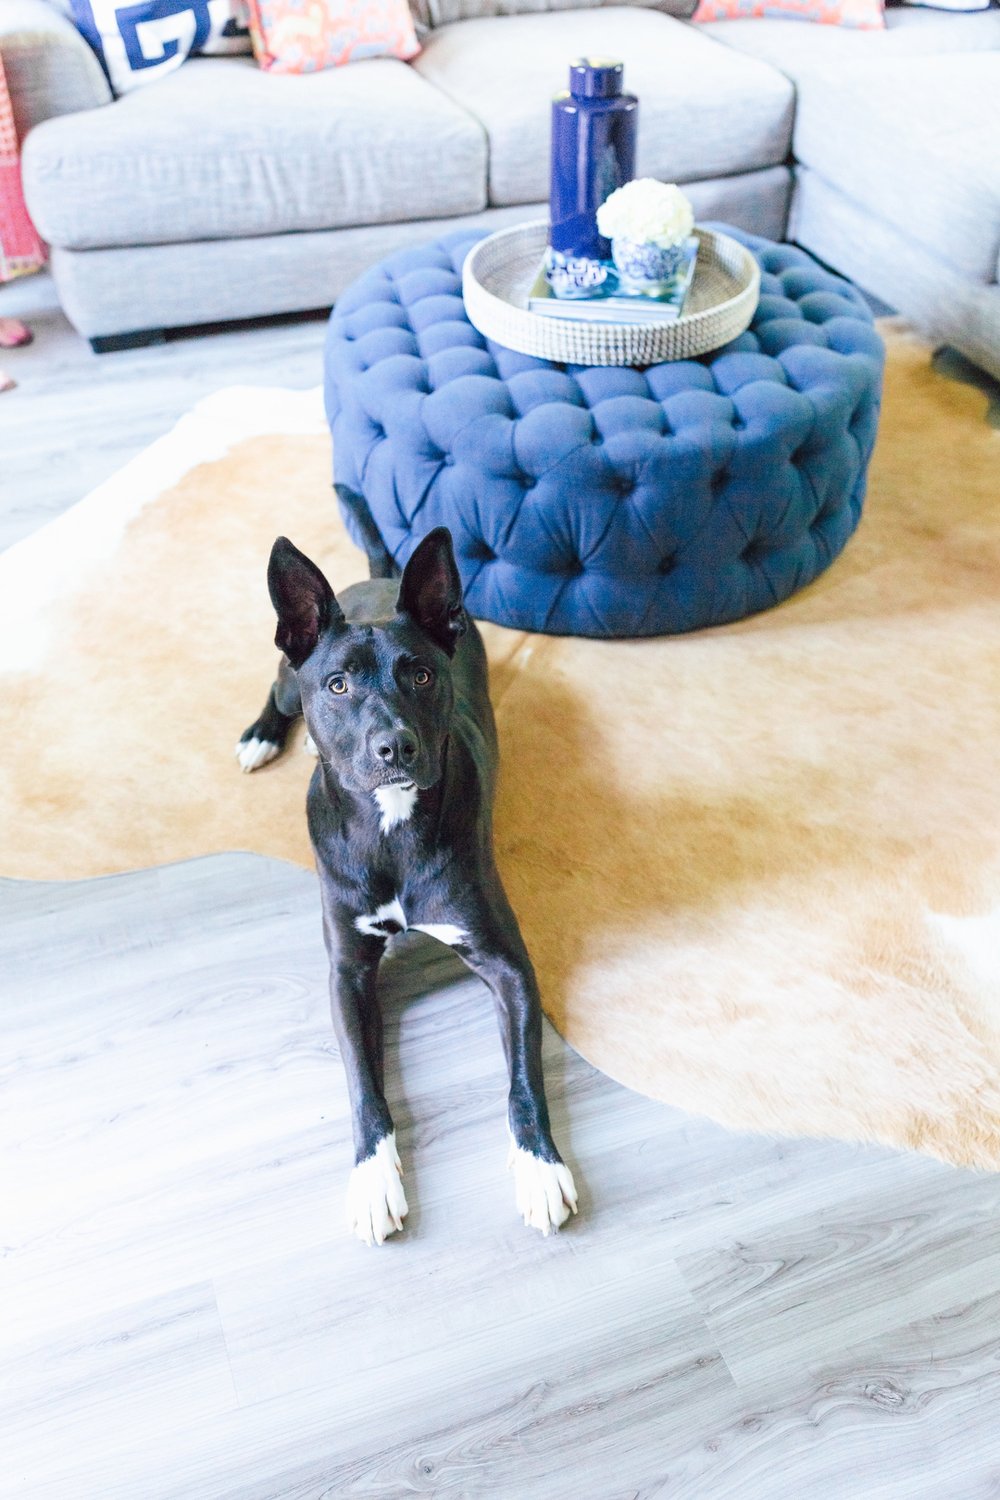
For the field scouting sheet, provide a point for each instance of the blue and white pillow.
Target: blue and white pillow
(140, 41)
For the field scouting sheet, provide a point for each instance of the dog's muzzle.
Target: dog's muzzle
(396, 749)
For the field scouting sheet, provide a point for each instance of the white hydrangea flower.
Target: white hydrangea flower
(648, 211)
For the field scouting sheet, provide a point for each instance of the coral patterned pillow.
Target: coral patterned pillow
(304, 36)
(865, 15)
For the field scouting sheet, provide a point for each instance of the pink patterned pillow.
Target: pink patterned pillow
(304, 36)
(20, 248)
(865, 15)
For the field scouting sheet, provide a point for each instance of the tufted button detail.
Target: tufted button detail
(481, 551)
(667, 564)
(754, 550)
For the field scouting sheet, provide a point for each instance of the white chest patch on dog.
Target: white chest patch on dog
(396, 803)
(383, 922)
(391, 918)
(445, 932)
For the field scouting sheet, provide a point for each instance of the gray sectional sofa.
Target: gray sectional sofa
(221, 192)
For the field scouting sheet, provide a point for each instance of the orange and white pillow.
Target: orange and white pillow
(305, 36)
(864, 15)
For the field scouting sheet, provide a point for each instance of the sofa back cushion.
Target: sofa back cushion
(863, 15)
(430, 13)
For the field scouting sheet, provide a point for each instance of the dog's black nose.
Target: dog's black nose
(398, 749)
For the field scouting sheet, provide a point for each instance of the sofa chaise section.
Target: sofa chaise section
(937, 181)
(917, 219)
(897, 161)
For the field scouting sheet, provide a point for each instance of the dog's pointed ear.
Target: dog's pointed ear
(303, 600)
(431, 590)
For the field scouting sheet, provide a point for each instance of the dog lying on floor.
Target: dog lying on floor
(392, 680)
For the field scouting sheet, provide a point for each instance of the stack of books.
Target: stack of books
(614, 301)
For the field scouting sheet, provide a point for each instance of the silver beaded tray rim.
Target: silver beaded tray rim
(499, 272)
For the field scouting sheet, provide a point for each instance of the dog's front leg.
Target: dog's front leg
(267, 734)
(376, 1202)
(546, 1194)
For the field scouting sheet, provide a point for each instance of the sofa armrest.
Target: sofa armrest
(50, 69)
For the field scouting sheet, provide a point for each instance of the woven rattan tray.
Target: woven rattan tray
(500, 270)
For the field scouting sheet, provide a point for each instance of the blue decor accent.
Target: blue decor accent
(137, 42)
(593, 153)
(607, 501)
(645, 264)
(573, 276)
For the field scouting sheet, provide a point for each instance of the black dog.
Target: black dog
(393, 685)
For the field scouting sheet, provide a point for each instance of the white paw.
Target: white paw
(253, 754)
(376, 1202)
(546, 1193)
(310, 746)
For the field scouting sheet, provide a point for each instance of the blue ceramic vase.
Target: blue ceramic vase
(593, 153)
(646, 267)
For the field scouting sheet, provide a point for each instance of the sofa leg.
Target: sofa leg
(112, 343)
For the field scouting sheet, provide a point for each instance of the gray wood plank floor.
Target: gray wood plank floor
(186, 1315)
(75, 417)
(182, 1313)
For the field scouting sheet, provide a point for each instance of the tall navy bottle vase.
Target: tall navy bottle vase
(593, 153)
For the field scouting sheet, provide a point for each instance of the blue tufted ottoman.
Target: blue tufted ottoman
(605, 502)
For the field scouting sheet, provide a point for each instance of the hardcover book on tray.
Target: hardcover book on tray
(612, 301)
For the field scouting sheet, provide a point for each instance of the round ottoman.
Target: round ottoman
(605, 502)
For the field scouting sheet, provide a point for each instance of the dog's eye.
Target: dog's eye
(337, 684)
(423, 677)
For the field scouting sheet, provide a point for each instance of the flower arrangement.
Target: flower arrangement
(647, 212)
(648, 224)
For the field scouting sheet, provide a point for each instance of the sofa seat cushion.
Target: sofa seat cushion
(704, 110)
(909, 32)
(220, 149)
(916, 142)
